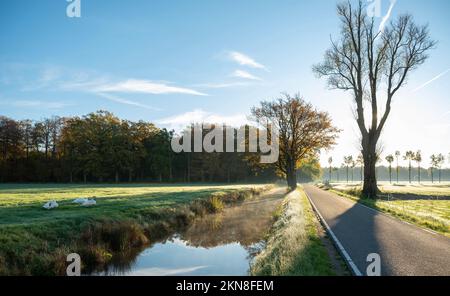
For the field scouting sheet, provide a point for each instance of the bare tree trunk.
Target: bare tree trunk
(370, 188)
(397, 171)
(409, 171)
(291, 176)
(189, 168)
(390, 173)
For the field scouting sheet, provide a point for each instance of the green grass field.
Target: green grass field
(427, 205)
(33, 240)
(22, 204)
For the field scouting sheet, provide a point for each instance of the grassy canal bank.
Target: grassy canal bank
(294, 247)
(35, 241)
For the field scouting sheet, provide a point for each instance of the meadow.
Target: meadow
(22, 204)
(426, 204)
(35, 241)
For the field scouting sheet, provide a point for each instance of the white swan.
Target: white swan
(89, 202)
(51, 205)
(80, 201)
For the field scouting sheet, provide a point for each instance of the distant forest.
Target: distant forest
(100, 147)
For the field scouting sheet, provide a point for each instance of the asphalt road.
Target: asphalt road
(404, 249)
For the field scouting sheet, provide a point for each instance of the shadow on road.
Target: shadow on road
(356, 230)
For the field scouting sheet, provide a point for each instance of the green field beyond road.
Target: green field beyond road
(427, 205)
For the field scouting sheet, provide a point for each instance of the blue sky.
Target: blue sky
(171, 62)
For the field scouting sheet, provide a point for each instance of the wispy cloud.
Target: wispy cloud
(222, 85)
(180, 121)
(387, 16)
(432, 80)
(245, 60)
(145, 86)
(37, 104)
(30, 77)
(126, 101)
(245, 75)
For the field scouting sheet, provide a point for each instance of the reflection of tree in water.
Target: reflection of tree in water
(245, 224)
(122, 262)
(255, 249)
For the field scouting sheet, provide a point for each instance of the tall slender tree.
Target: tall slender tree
(348, 160)
(418, 159)
(397, 156)
(360, 162)
(336, 169)
(440, 160)
(353, 165)
(330, 162)
(390, 160)
(409, 156)
(365, 58)
(434, 165)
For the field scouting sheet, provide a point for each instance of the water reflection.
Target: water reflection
(218, 244)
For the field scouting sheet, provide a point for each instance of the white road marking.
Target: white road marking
(340, 247)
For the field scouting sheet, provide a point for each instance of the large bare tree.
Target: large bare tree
(302, 132)
(373, 63)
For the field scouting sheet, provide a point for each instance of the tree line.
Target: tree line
(415, 171)
(100, 147)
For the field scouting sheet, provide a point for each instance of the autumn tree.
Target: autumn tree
(10, 144)
(372, 63)
(27, 130)
(302, 131)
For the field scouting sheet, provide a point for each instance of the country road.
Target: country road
(404, 249)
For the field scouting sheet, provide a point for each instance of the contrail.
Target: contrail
(387, 16)
(435, 78)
